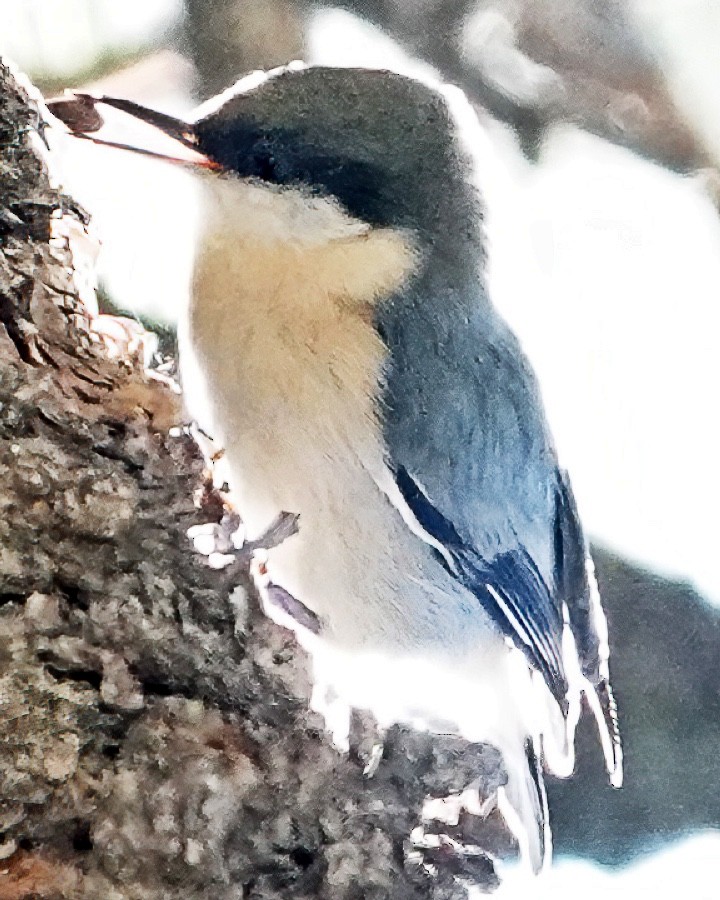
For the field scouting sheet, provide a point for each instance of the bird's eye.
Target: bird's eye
(265, 162)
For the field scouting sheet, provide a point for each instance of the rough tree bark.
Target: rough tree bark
(155, 738)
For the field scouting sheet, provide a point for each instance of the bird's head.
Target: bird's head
(383, 147)
(380, 144)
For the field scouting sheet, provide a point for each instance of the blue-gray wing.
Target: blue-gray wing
(467, 443)
(470, 451)
(508, 586)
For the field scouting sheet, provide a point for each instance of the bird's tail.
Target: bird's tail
(523, 804)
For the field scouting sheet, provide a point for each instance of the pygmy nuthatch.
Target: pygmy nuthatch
(356, 373)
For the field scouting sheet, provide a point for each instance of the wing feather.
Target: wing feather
(509, 587)
(577, 588)
(472, 457)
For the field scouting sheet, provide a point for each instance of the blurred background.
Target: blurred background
(601, 171)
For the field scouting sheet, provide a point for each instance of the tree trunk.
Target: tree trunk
(156, 740)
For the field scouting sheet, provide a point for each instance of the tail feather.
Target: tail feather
(524, 806)
(601, 701)
(536, 773)
(600, 695)
(585, 620)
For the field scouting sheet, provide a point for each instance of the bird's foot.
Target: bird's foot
(283, 600)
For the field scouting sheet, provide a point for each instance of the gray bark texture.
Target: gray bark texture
(155, 738)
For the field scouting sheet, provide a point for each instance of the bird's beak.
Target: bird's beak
(79, 113)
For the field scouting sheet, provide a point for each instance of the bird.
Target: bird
(342, 346)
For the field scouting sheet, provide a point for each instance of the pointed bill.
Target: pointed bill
(80, 114)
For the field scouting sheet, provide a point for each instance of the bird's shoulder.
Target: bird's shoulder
(462, 412)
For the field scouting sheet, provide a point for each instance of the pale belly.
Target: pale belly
(398, 635)
(316, 453)
(354, 562)
(290, 371)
